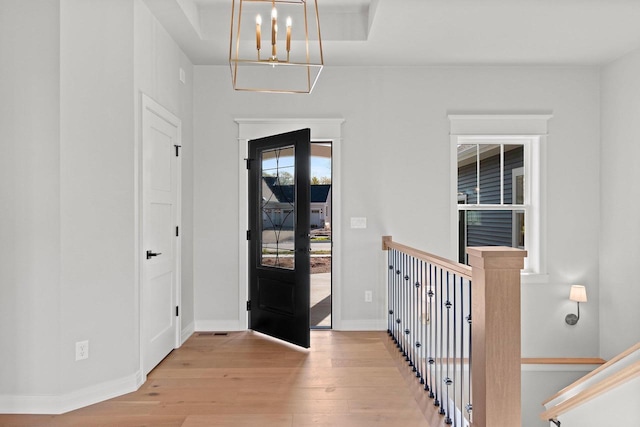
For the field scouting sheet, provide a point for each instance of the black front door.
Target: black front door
(279, 209)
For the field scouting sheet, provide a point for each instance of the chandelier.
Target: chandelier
(267, 58)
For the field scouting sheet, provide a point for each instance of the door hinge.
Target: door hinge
(177, 149)
(177, 311)
(248, 163)
(248, 234)
(177, 231)
(249, 305)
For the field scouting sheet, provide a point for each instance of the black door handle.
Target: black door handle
(152, 254)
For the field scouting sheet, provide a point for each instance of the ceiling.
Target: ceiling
(432, 32)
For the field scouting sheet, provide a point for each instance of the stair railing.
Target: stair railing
(458, 328)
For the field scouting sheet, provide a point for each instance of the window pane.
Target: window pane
(490, 228)
(467, 174)
(518, 229)
(519, 189)
(489, 191)
(490, 183)
(513, 162)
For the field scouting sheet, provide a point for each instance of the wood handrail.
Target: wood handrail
(550, 360)
(596, 371)
(611, 382)
(460, 269)
(562, 361)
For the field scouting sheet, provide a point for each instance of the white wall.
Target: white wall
(72, 75)
(29, 196)
(539, 383)
(619, 227)
(96, 192)
(395, 171)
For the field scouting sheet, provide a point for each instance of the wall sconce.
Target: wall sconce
(578, 294)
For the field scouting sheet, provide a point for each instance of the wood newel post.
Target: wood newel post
(495, 312)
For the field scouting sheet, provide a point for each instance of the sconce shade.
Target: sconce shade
(578, 293)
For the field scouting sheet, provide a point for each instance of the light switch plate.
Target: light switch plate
(358, 222)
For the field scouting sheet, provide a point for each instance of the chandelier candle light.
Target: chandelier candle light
(298, 72)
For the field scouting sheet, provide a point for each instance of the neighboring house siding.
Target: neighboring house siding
(489, 228)
(278, 201)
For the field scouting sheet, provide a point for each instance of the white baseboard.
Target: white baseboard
(59, 404)
(219, 325)
(186, 332)
(363, 325)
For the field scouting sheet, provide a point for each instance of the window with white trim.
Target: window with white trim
(497, 185)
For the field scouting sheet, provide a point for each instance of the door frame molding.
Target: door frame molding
(322, 129)
(148, 104)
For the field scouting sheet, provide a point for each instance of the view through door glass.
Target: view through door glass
(320, 235)
(278, 203)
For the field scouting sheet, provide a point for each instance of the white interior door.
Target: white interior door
(160, 241)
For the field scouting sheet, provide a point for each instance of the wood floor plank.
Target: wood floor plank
(360, 420)
(239, 420)
(346, 379)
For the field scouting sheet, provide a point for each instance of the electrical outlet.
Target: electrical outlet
(82, 350)
(368, 296)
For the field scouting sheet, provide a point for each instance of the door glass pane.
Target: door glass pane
(277, 195)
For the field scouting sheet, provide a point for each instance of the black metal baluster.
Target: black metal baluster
(419, 321)
(398, 315)
(416, 309)
(435, 385)
(469, 407)
(424, 324)
(407, 309)
(455, 348)
(403, 304)
(408, 325)
(436, 337)
(447, 379)
(390, 291)
(406, 320)
(441, 340)
(462, 384)
(429, 384)
(392, 310)
(395, 296)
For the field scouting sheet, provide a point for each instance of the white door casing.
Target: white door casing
(159, 243)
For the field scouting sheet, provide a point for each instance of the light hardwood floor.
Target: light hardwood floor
(346, 379)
